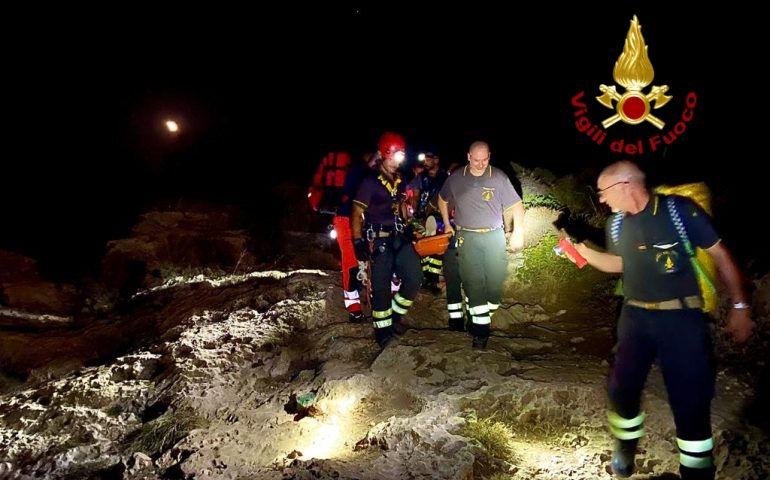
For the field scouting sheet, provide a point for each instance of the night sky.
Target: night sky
(260, 97)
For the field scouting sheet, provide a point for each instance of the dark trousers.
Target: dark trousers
(390, 255)
(454, 292)
(681, 341)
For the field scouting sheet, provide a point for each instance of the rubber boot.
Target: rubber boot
(383, 336)
(398, 327)
(697, 473)
(623, 457)
(457, 324)
(480, 336)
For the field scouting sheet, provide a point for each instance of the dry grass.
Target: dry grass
(496, 437)
(162, 433)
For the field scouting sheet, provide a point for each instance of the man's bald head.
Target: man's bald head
(624, 171)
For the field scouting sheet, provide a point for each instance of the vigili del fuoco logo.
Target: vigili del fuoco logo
(632, 105)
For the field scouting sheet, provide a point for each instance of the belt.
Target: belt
(478, 230)
(693, 301)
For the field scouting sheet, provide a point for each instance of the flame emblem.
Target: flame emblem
(634, 72)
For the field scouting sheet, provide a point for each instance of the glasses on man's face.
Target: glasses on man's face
(602, 191)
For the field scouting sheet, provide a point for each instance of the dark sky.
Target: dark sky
(261, 95)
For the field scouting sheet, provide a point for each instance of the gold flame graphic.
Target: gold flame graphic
(633, 70)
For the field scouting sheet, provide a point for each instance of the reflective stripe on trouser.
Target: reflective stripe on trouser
(483, 267)
(347, 253)
(394, 255)
(626, 428)
(480, 315)
(352, 301)
(695, 454)
(432, 264)
(400, 304)
(382, 318)
(455, 310)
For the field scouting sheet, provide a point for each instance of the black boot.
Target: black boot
(623, 457)
(457, 324)
(480, 336)
(356, 317)
(383, 336)
(398, 327)
(697, 473)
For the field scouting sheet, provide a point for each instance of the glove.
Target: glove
(361, 247)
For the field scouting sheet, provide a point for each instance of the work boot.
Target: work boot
(687, 473)
(480, 342)
(623, 458)
(480, 336)
(433, 288)
(383, 336)
(398, 327)
(457, 324)
(356, 317)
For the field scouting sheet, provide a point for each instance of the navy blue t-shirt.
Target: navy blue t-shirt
(379, 201)
(656, 265)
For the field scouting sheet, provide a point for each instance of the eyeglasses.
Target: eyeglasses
(602, 191)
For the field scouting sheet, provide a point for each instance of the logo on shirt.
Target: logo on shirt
(487, 193)
(633, 72)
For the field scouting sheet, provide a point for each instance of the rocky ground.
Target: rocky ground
(259, 376)
(174, 362)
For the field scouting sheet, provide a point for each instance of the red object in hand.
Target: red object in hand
(569, 249)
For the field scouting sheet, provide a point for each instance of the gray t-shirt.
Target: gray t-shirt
(479, 201)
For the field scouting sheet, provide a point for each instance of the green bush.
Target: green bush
(550, 280)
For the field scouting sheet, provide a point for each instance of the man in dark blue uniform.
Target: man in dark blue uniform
(661, 315)
(377, 225)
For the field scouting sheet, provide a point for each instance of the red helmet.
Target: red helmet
(391, 143)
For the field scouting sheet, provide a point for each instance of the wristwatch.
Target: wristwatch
(741, 306)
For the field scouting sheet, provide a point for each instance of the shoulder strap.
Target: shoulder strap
(616, 224)
(676, 218)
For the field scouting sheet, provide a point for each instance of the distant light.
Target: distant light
(333, 234)
(421, 157)
(172, 126)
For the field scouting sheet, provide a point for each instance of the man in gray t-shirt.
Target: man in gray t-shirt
(486, 207)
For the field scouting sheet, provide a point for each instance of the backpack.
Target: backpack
(325, 193)
(703, 264)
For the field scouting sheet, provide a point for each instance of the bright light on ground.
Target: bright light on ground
(330, 433)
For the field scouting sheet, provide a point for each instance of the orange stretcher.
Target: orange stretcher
(433, 245)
